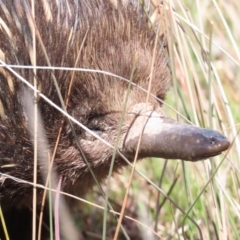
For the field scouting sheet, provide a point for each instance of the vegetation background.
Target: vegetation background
(176, 199)
(204, 55)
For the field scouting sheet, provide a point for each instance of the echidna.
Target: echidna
(107, 40)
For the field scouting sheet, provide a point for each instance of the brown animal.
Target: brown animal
(96, 35)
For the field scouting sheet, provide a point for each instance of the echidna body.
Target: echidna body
(99, 36)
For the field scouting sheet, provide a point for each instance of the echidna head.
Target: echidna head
(120, 63)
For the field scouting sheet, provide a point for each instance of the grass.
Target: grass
(204, 57)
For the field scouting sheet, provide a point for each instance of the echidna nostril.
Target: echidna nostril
(212, 140)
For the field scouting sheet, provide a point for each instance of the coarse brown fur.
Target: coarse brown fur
(92, 35)
(116, 40)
